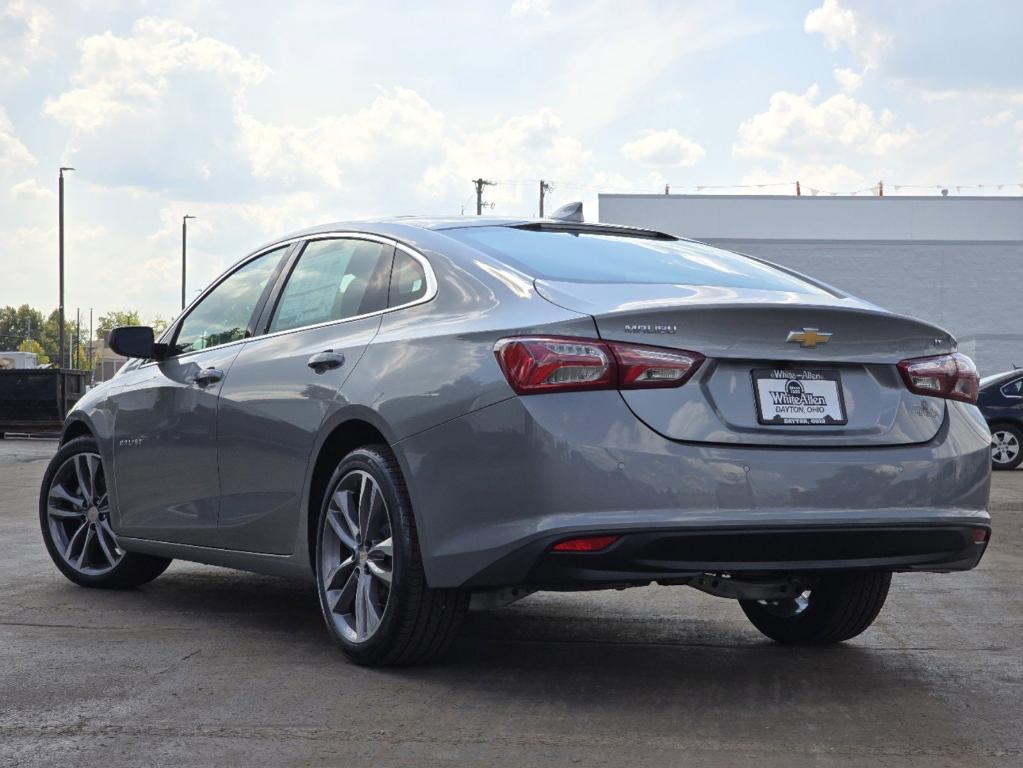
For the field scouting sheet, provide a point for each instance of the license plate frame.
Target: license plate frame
(801, 391)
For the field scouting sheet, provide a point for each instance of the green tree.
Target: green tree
(115, 319)
(51, 344)
(158, 324)
(17, 325)
(31, 345)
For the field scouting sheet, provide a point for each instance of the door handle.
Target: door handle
(208, 376)
(325, 361)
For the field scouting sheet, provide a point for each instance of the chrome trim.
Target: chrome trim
(431, 287)
(1005, 394)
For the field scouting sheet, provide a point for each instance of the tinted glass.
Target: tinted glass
(334, 280)
(611, 259)
(224, 314)
(408, 280)
(1013, 388)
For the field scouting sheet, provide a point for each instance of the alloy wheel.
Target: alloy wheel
(1005, 447)
(356, 556)
(78, 516)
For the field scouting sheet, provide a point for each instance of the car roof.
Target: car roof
(389, 226)
(998, 378)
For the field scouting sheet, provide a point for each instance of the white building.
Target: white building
(954, 261)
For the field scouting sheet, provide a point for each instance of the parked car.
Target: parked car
(419, 412)
(1001, 402)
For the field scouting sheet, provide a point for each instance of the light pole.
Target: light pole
(184, 246)
(60, 262)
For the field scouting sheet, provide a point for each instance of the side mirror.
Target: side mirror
(136, 341)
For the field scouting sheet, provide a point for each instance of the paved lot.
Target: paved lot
(214, 667)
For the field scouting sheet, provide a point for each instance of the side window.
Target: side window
(1013, 388)
(334, 280)
(224, 314)
(408, 280)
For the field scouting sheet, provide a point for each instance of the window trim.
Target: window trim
(1005, 394)
(171, 334)
(278, 282)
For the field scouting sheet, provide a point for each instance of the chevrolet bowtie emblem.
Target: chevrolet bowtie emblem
(808, 337)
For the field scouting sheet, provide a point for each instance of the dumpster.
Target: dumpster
(35, 400)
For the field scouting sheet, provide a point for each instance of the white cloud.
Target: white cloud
(663, 149)
(842, 26)
(119, 76)
(521, 150)
(531, 8)
(13, 153)
(395, 121)
(30, 189)
(23, 29)
(800, 126)
(999, 118)
(848, 80)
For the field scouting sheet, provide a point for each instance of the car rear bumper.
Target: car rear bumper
(639, 557)
(494, 489)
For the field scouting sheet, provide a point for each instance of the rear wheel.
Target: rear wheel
(1006, 446)
(369, 571)
(74, 514)
(838, 608)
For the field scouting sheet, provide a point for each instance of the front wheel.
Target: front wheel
(837, 608)
(1006, 447)
(369, 572)
(74, 514)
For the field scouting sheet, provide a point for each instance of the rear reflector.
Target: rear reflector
(953, 377)
(979, 535)
(588, 544)
(537, 364)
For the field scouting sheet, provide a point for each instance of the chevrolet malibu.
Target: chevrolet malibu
(422, 413)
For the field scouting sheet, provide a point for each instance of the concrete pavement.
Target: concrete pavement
(207, 666)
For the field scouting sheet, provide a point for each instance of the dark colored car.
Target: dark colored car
(1001, 401)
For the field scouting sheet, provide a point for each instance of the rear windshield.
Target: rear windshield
(585, 257)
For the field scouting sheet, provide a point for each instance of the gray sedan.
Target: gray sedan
(422, 413)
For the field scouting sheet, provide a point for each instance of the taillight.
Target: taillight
(642, 367)
(950, 376)
(533, 365)
(536, 364)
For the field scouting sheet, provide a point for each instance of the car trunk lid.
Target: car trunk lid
(756, 342)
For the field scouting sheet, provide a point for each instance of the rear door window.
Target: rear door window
(334, 279)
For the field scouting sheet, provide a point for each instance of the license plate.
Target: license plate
(799, 396)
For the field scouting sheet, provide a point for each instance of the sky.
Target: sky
(260, 118)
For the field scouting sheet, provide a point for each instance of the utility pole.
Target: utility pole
(76, 357)
(544, 188)
(184, 246)
(89, 348)
(60, 263)
(480, 183)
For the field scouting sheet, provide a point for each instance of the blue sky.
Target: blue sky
(264, 117)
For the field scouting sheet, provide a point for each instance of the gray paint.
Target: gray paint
(488, 471)
(954, 262)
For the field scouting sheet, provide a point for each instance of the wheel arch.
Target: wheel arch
(76, 427)
(349, 429)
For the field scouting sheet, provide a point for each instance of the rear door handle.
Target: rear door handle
(325, 361)
(208, 376)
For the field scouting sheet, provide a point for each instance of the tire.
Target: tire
(1006, 446)
(74, 518)
(369, 570)
(838, 608)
